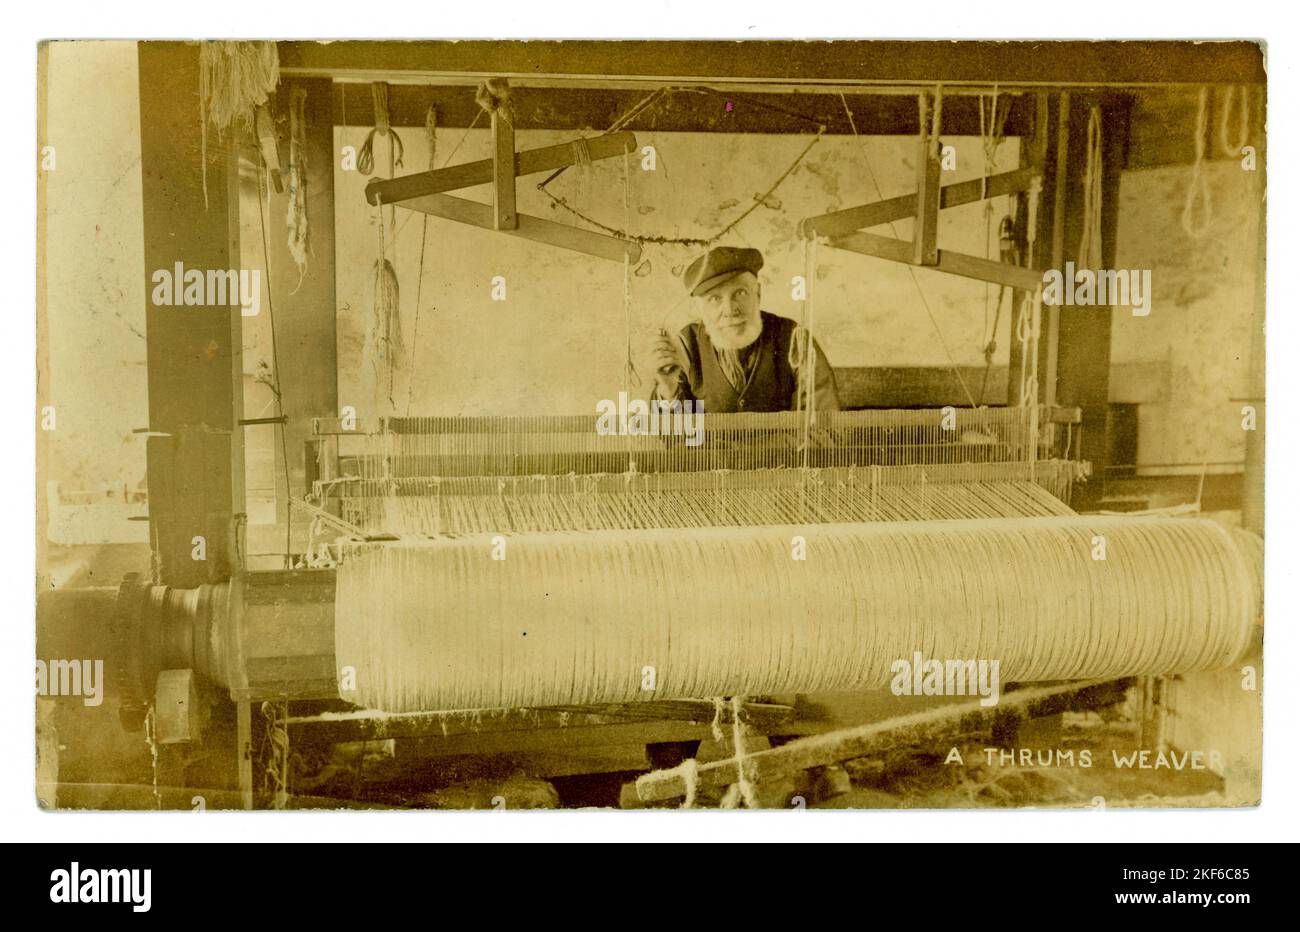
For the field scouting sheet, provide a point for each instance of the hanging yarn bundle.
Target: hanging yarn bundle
(576, 618)
(234, 79)
(385, 337)
(366, 157)
(296, 220)
(1089, 256)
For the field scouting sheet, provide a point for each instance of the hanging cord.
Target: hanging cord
(454, 149)
(631, 378)
(1243, 131)
(366, 158)
(1198, 188)
(1009, 254)
(614, 127)
(275, 389)
(655, 99)
(759, 201)
(952, 363)
(990, 140)
(431, 139)
(386, 322)
(743, 789)
(1089, 256)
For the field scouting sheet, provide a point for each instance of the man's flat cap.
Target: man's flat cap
(719, 264)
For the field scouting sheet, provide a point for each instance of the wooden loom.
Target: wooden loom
(280, 659)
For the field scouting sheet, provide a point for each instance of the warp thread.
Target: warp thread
(572, 619)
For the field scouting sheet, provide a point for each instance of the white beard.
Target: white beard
(732, 339)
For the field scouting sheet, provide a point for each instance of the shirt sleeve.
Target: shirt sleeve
(682, 388)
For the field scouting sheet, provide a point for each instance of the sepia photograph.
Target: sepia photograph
(649, 424)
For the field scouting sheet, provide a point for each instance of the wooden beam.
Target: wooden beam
(1083, 345)
(895, 63)
(532, 228)
(504, 216)
(194, 355)
(361, 725)
(917, 386)
(594, 108)
(953, 263)
(846, 744)
(468, 174)
(852, 219)
(925, 231)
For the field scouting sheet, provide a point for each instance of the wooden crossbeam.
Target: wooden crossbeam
(865, 216)
(527, 162)
(930, 726)
(531, 228)
(954, 263)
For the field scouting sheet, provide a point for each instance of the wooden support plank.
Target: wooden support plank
(849, 743)
(363, 725)
(532, 228)
(843, 222)
(468, 174)
(953, 263)
(925, 231)
(504, 216)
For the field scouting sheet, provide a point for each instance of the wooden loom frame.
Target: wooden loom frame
(425, 192)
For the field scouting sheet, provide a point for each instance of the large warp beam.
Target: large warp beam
(574, 618)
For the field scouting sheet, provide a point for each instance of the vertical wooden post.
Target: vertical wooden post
(304, 299)
(925, 234)
(244, 750)
(1075, 368)
(1252, 491)
(504, 216)
(1049, 354)
(195, 365)
(1034, 154)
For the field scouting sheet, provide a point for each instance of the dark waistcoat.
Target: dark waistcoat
(771, 385)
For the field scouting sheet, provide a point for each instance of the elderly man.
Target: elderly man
(737, 357)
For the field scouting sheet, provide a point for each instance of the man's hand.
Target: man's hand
(666, 359)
